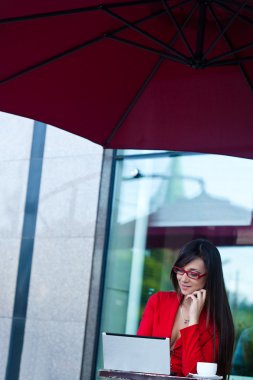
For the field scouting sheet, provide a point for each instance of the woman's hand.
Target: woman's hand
(197, 301)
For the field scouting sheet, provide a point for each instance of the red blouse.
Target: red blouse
(195, 343)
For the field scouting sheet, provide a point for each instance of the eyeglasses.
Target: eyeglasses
(190, 273)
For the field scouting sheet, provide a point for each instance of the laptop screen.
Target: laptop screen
(136, 353)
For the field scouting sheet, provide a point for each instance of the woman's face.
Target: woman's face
(189, 285)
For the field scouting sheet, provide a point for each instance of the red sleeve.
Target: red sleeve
(147, 321)
(197, 346)
(196, 342)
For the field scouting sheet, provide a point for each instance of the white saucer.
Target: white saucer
(214, 377)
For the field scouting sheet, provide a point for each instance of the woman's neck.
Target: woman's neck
(185, 303)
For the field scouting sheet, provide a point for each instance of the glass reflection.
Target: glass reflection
(159, 204)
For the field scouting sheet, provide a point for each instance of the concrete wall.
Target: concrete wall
(63, 247)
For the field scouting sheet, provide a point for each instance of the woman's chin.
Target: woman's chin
(185, 290)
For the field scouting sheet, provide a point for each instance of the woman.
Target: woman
(196, 317)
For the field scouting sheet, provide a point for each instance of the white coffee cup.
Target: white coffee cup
(206, 369)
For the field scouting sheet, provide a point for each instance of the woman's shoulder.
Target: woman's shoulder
(164, 297)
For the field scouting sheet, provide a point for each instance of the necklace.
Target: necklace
(182, 315)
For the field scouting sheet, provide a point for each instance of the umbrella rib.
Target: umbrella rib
(230, 45)
(232, 52)
(172, 17)
(220, 26)
(80, 10)
(49, 60)
(72, 50)
(147, 48)
(185, 22)
(247, 6)
(224, 29)
(134, 101)
(246, 76)
(200, 32)
(235, 62)
(241, 17)
(172, 41)
(146, 82)
(142, 32)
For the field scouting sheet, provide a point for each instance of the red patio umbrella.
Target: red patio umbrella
(150, 74)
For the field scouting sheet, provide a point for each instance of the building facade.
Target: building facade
(88, 235)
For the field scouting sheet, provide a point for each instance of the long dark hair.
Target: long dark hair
(217, 306)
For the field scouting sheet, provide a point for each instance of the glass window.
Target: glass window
(161, 201)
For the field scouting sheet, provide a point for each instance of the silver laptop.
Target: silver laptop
(136, 353)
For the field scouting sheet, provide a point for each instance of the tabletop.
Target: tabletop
(127, 375)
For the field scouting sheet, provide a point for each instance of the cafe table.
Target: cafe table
(129, 375)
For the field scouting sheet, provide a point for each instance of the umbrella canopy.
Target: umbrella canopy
(149, 74)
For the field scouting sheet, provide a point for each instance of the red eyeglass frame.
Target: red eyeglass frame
(188, 271)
